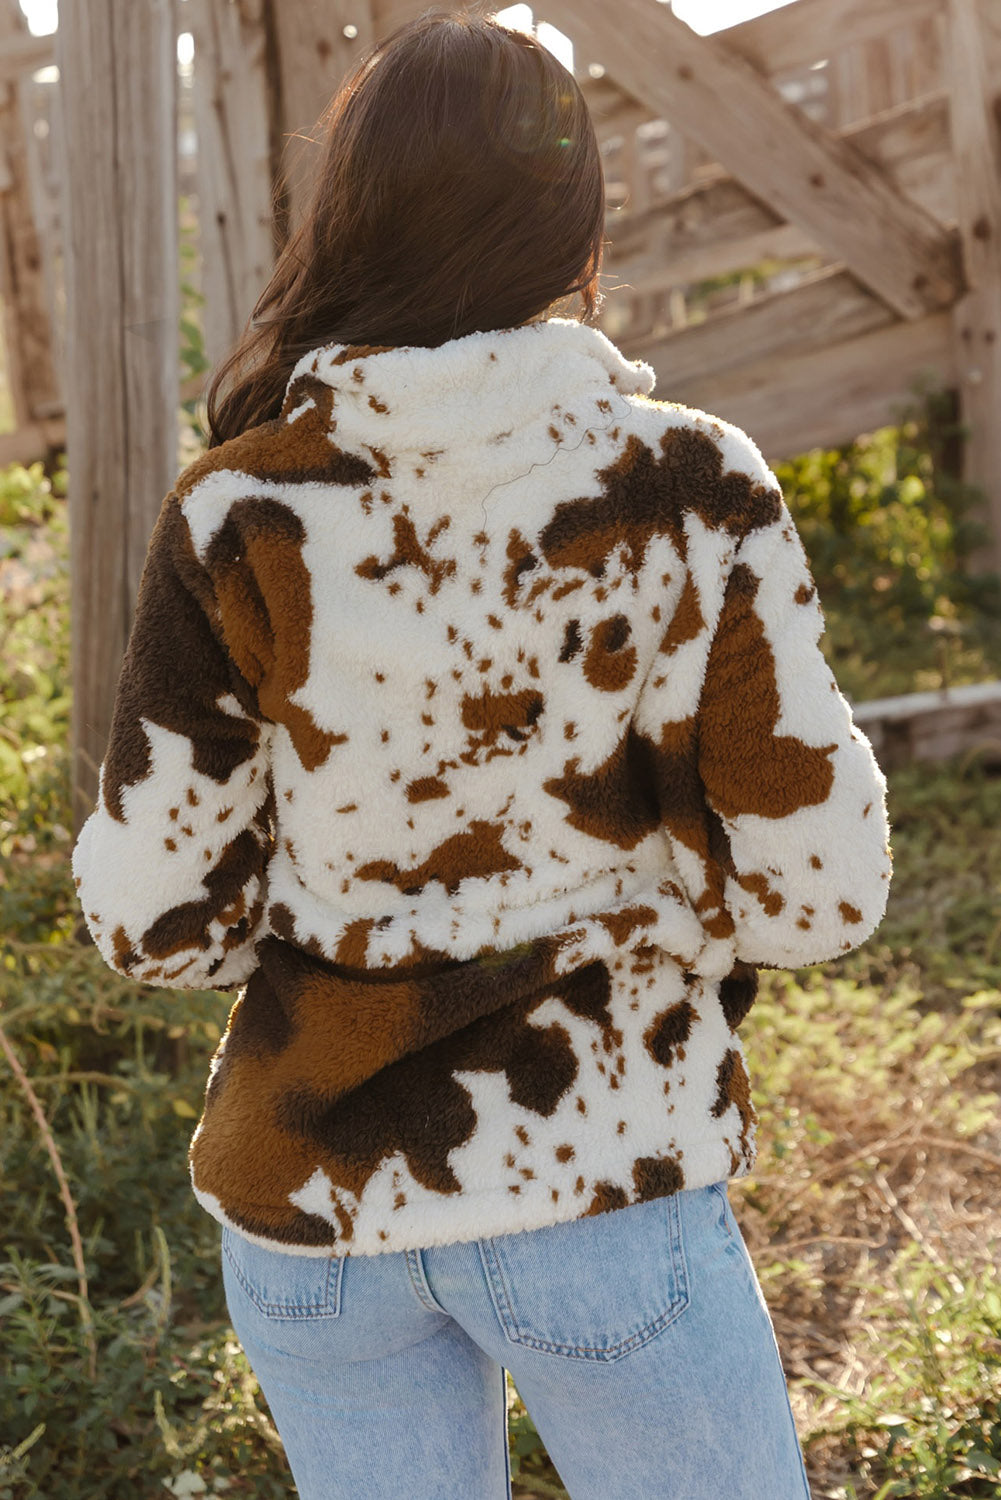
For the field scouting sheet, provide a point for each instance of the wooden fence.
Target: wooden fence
(804, 221)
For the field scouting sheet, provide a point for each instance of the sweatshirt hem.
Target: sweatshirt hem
(487, 1214)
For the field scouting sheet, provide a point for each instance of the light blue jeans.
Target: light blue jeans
(638, 1340)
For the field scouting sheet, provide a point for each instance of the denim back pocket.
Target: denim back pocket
(594, 1288)
(284, 1286)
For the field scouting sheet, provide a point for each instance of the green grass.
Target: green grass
(873, 1214)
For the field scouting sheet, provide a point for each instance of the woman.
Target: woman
(473, 728)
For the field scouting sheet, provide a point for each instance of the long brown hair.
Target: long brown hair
(460, 190)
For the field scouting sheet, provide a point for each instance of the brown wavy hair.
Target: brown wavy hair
(460, 190)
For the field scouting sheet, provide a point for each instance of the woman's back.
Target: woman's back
(473, 727)
(514, 750)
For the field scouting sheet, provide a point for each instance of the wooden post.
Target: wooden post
(28, 333)
(117, 62)
(235, 170)
(977, 315)
(317, 42)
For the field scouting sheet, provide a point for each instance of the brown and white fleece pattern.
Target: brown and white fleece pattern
(473, 719)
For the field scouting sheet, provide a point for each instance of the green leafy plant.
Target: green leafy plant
(890, 531)
(931, 1418)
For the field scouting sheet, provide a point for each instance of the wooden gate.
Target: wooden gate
(804, 222)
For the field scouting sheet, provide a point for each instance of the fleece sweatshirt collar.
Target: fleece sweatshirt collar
(412, 399)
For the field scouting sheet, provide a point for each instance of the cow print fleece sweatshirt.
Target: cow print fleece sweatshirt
(473, 731)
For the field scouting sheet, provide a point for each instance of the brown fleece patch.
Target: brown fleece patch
(668, 1032)
(476, 853)
(352, 352)
(281, 920)
(737, 993)
(264, 590)
(572, 642)
(680, 795)
(426, 788)
(172, 625)
(734, 1087)
(345, 1032)
(496, 719)
(352, 948)
(606, 1197)
(410, 552)
(687, 621)
(414, 1106)
(745, 766)
(521, 559)
(610, 663)
(125, 954)
(683, 810)
(757, 885)
(281, 452)
(622, 923)
(646, 494)
(657, 1177)
(616, 801)
(187, 925)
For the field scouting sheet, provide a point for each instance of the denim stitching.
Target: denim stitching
(720, 1190)
(679, 1301)
(419, 1282)
(679, 1264)
(294, 1311)
(495, 1280)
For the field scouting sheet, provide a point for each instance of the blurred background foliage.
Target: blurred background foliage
(873, 1215)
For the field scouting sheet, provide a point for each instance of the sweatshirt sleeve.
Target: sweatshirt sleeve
(170, 867)
(771, 797)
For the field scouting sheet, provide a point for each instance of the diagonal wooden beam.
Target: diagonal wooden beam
(24, 53)
(810, 176)
(795, 36)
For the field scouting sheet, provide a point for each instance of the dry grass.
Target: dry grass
(865, 1163)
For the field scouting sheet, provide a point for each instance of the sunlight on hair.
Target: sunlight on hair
(519, 18)
(559, 45)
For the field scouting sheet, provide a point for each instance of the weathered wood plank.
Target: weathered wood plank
(317, 41)
(797, 35)
(32, 376)
(809, 176)
(33, 441)
(117, 62)
(790, 403)
(977, 318)
(653, 271)
(990, 20)
(387, 15)
(24, 53)
(818, 314)
(717, 227)
(234, 165)
(933, 726)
